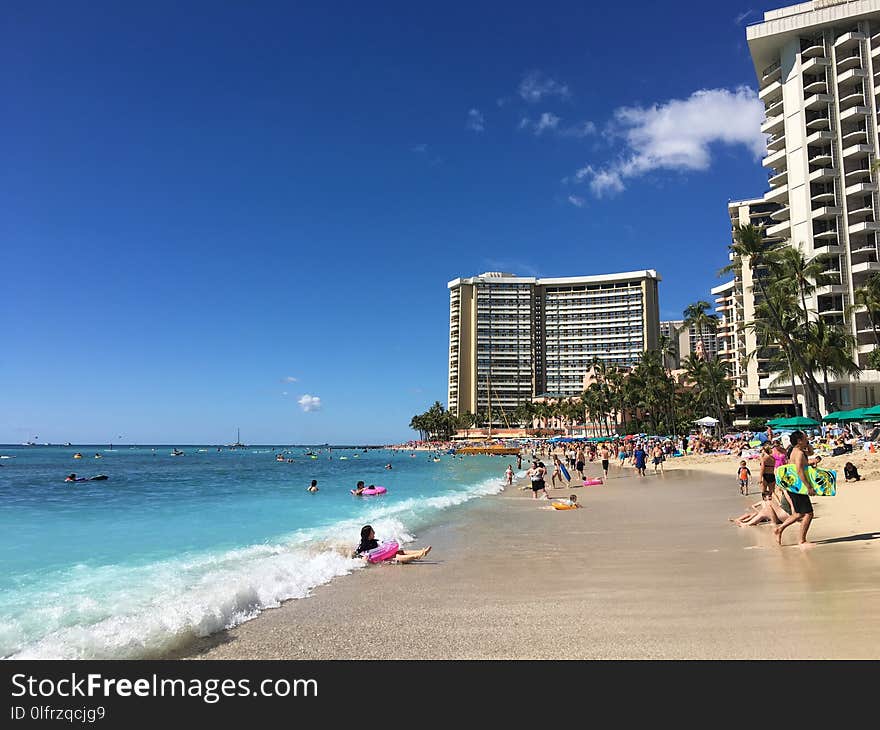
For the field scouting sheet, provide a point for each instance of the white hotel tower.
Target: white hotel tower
(818, 68)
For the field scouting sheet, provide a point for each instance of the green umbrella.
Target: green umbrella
(796, 422)
(857, 414)
(834, 417)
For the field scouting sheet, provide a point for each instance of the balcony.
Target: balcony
(826, 234)
(854, 112)
(771, 73)
(875, 51)
(814, 48)
(777, 195)
(864, 188)
(773, 109)
(844, 63)
(856, 174)
(776, 160)
(854, 97)
(771, 91)
(780, 229)
(857, 151)
(849, 40)
(820, 138)
(780, 178)
(823, 196)
(863, 227)
(854, 136)
(776, 142)
(818, 121)
(821, 159)
(825, 173)
(816, 101)
(773, 124)
(866, 267)
(815, 86)
(863, 212)
(783, 214)
(826, 211)
(854, 75)
(815, 65)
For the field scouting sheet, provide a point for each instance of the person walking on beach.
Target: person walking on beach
(802, 507)
(605, 455)
(744, 475)
(518, 462)
(536, 476)
(580, 459)
(639, 458)
(509, 475)
(657, 453)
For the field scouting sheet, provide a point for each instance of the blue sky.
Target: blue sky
(211, 210)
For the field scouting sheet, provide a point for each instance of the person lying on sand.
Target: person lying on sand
(369, 542)
(765, 511)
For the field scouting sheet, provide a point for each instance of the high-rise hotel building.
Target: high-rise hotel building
(818, 69)
(516, 338)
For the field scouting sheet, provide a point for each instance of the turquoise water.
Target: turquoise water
(174, 547)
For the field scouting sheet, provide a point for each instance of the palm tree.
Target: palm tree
(695, 316)
(828, 346)
(867, 297)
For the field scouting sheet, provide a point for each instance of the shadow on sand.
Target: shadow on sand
(850, 538)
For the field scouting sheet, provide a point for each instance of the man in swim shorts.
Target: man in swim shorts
(802, 507)
(605, 455)
(536, 475)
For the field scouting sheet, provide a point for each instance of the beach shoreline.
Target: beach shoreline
(650, 568)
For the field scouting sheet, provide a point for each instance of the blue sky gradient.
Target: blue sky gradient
(199, 201)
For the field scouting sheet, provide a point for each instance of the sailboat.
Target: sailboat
(498, 449)
(238, 444)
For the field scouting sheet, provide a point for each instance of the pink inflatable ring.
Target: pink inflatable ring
(592, 482)
(385, 551)
(369, 492)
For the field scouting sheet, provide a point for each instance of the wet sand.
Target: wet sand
(649, 569)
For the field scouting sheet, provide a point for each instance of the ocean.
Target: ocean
(169, 548)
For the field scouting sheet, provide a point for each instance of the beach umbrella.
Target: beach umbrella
(796, 422)
(833, 417)
(872, 412)
(707, 421)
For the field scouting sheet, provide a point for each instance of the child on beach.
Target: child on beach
(369, 542)
(850, 472)
(573, 501)
(744, 476)
(509, 475)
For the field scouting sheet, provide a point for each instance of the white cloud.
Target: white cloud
(288, 379)
(284, 392)
(547, 121)
(576, 200)
(742, 16)
(535, 86)
(420, 148)
(310, 403)
(678, 134)
(475, 121)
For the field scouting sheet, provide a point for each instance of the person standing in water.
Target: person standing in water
(605, 455)
(802, 507)
(509, 475)
(313, 487)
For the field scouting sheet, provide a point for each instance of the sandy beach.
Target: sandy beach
(649, 569)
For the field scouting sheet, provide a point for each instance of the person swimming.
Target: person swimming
(313, 487)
